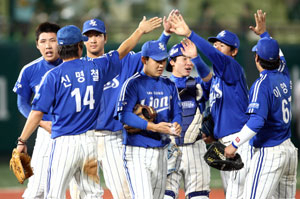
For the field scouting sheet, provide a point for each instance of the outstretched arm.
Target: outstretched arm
(32, 123)
(144, 27)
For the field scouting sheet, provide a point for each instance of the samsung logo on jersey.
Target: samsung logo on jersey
(253, 105)
(112, 84)
(188, 104)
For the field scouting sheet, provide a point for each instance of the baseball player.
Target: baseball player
(145, 153)
(193, 94)
(228, 95)
(71, 93)
(269, 128)
(275, 157)
(109, 130)
(26, 86)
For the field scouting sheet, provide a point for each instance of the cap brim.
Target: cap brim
(84, 38)
(160, 57)
(254, 49)
(95, 29)
(169, 67)
(212, 39)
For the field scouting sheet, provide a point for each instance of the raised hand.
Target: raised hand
(166, 21)
(260, 20)
(189, 48)
(147, 26)
(179, 26)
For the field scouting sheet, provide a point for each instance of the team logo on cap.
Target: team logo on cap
(222, 34)
(93, 22)
(161, 46)
(173, 51)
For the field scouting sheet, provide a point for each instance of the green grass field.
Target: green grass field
(8, 180)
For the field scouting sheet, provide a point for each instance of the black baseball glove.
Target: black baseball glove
(147, 113)
(215, 158)
(207, 126)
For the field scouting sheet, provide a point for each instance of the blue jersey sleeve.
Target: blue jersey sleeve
(176, 106)
(22, 86)
(132, 63)
(201, 67)
(255, 122)
(224, 66)
(44, 98)
(259, 99)
(109, 64)
(133, 120)
(164, 38)
(24, 105)
(128, 97)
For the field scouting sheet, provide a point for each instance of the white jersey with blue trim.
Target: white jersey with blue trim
(270, 98)
(74, 90)
(30, 78)
(160, 93)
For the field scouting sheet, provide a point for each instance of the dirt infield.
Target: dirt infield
(17, 194)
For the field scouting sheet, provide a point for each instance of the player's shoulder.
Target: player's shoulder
(31, 65)
(167, 80)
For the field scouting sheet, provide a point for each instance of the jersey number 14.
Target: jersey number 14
(88, 98)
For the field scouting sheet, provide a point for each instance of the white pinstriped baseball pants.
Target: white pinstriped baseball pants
(67, 158)
(36, 186)
(193, 169)
(273, 172)
(234, 181)
(111, 161)
(146, 171)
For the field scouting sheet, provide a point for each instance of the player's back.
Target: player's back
(76, 92)
(275, 88)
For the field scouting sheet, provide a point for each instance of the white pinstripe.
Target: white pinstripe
(193, 169)
(68, 158)
(36, 187)
(275, 177)
(110, 157)
(147, 171)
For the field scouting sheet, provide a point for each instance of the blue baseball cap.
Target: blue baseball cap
(226, 37)
(157, 50)
(94, 24)
(175, 51)
(267, 49)
(69, 35)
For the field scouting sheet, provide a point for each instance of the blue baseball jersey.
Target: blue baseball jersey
(30, 78)
(270, 98)
(74, 90)
(160, 93)
(228, 93)
(131, 64)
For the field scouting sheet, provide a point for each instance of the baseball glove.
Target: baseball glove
(147, 113)
(90, 168)
(207, 126)
(20, 165)
(215, 158)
